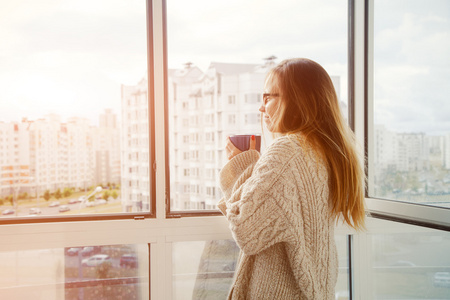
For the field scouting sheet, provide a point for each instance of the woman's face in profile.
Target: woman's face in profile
(269, 106)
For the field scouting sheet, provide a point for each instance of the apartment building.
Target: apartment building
(408, 151)
(81, 137)
(446, 151)
(135, 173)
(204, 109)
(15, 159)
(107, 149)
(48, 154)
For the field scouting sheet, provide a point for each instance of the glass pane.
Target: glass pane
(342, 285)
(411, 130)
(218, 56)
(412, 263)
(205, 269)
(74, 108)
(94, 272)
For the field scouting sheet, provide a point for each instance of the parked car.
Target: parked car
(54, 204)
(64, 208)
(342, 295)
(8, 212)
(87, 251)
(128, 260)
(441, 279)
(35, 211)
(100, 202)
(402, 263)
(73, 201)
(231, 266)
(73, 250)
(96, 260)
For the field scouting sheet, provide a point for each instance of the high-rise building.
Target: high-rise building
(47, 154)
(81, 159)
(15, 174)
(107, 149)
(446, 150)
(205, 108)
(135, 173)
(62, 153)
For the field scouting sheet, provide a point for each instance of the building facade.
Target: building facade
(48, 154)
(135, 172)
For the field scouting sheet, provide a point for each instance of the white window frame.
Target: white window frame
(421, 215)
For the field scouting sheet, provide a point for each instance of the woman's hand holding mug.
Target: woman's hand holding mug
(236, 144)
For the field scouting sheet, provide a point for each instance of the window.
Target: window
(194, 155)
(209, 119)
(231, 70)
(209, 137)
(107, 271)
(205, 269)
(409, 262)
(231, 119)
(252, 119)
(410, 145)
(252, 98)
(73, 76)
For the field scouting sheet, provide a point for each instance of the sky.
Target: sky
(71, 57)
(68, 57)
(412, 65)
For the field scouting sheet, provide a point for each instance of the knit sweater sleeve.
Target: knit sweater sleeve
(253, 191)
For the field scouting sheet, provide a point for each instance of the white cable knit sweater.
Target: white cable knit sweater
(278, 211)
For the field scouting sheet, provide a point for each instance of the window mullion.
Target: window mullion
(159, 96)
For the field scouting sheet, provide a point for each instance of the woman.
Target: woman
(282, 206)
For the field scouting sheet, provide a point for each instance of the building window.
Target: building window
(252, 118)
(231, 119)
(252, 98)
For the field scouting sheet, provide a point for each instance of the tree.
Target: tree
(413, 181)
(103, 269)
(106, 195)
(47, 195)
(114, 194)
(10, 198)
(67, 192)
(58, 194)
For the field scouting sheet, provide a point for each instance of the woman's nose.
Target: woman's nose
(262, 108)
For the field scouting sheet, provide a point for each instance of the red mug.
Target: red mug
(242, 141)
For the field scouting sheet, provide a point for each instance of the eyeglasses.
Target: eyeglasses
(267, 96)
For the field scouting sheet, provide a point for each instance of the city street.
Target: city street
(23, 211)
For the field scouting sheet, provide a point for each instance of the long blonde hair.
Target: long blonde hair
(309, 104)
